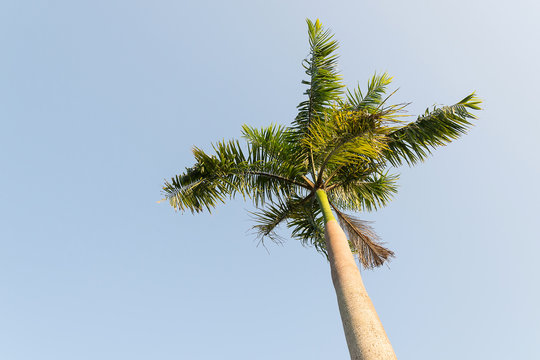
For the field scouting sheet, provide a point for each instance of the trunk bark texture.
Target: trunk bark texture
(364, 332)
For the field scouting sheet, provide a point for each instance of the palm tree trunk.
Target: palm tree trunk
(364, 332)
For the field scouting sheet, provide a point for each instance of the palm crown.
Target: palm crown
(342, 142)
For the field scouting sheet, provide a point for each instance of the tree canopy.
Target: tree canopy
(343, 141)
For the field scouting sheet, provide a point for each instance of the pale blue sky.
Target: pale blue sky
(103, 100)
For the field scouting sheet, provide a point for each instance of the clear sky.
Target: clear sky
(100, 101)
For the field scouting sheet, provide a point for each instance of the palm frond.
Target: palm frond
(307, 224)
(273, 143)
(373, 97)
(210, 181)
(214, 178)
(195, 189)
(301, 214)
(269, 218)
(364, 240)
(369, 193)
(273, 155)
(324, 84)
(345, 137)
(413, 142)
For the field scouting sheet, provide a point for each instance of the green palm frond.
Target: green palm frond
(345, 137)
(271, 153)
(301, 214)
(438, 127)
(364, 241)
(210, 181)
(370, 193)
(269, 218)
(273, 144)
(195, 189)
(307, 224)
(373, 97)
(324, 84)
(214, 178)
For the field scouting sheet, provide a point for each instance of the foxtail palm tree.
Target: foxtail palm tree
(334, 158)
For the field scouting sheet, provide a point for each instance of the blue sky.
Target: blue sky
(103, 100)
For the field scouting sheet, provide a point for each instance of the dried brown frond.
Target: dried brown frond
(367, 244)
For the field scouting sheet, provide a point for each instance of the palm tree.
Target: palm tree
(335, 155)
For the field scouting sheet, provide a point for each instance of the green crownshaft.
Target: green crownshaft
(325, 205)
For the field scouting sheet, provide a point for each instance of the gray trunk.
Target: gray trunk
(364, 332)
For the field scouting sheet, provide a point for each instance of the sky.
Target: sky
(101, 101)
